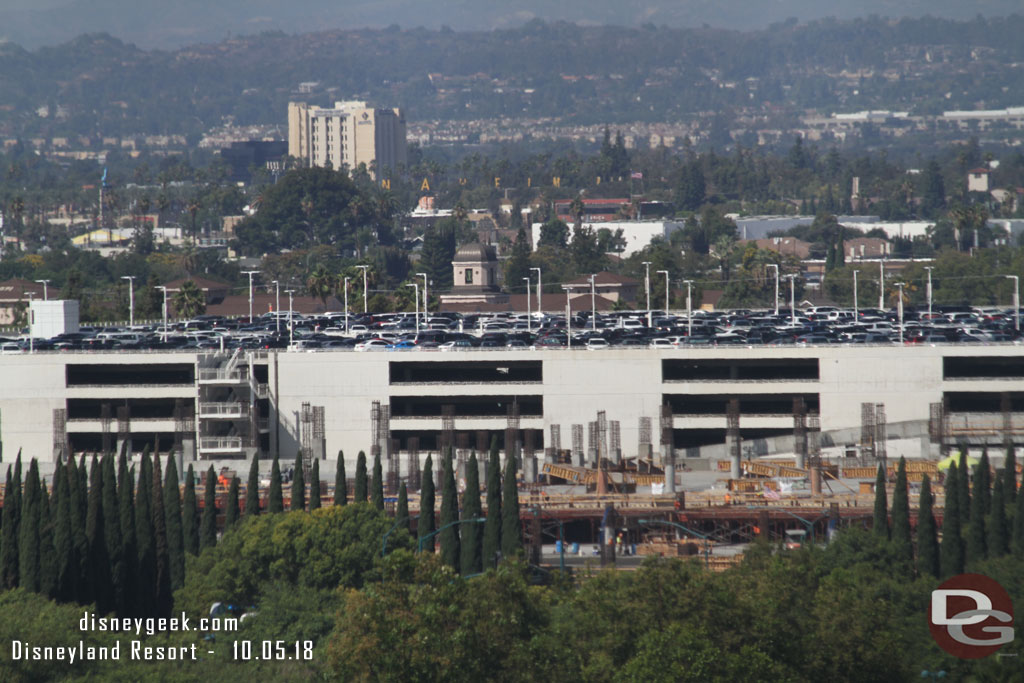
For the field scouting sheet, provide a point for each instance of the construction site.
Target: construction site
(619, 452)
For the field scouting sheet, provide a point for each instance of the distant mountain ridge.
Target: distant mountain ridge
(168, 24)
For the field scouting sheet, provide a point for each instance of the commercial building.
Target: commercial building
(232, 406)
(347, 135)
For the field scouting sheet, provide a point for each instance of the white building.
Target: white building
(637, 234)
(347, 135)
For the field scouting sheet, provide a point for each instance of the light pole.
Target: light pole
(164, 290)
(881, 285)
(689, 309)
(45, 291)
(929, 269)
(364, 269)
(291, 326)
(417, 286)
(131, 298)
(792, 299)
(899, 308)
(647, 289)
(1016, 299)
(528, 316)
(776, 267)
(345, 287)
(568, 317)
(665, 273)
(540, 294)
(277, 307)
(593, 304)
(250, 273)
(426, 299)
(856, 313)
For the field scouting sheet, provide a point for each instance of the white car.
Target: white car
(373, 345)
(597, 343)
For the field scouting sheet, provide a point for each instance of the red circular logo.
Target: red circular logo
(970, 616)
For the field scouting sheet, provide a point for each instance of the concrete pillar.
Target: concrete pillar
(670, 478)
(591, 458)
(801, 458)
(646, 451)
(530, 469)
(616, 454)
(815, 481)
(734, 456)
(549, 455)
(580, 459)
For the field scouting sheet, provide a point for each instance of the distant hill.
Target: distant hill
(173, 23)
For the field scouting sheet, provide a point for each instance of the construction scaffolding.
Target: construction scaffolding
(577, 445)
(867, 432)
(60, 434)
(447, 427)
(556, 437)
(615, 441)
(412, 467)
(880, 433)
(800, 432)
(106, 421)
(512, 445)
(644, 446)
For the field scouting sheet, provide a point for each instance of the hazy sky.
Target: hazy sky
(172, 23)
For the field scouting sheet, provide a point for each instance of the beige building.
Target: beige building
(347, 135)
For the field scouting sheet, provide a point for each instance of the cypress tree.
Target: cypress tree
(189, 520)
(471, 532)
(275, 497)
(28, 531)
(983, 482)
(112, 535)
(231, 512)
(208, 525)
(146, 582)
(99, 559)
(252, 489)
(298, 501)
(977, 548)
(340, 483)
(901, 516)
(881, 518)
(511, 530)
(402, 510)
(361, 488)
(377, 484)
(425, 526)
(998, 534)
(162, 593)
(9, 538)
(963, 479)
(47, 552)
(314, 486)
(449, 515)
(492, 527)
(951, 551)
(173, 522)
(129, 543)
(63, 543)
(927, 541)
(77, 502)
(1010, 476)
(1018, 526)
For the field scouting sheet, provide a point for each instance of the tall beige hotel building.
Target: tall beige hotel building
(349, 134)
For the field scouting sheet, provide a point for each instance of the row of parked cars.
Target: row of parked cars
(448, 331)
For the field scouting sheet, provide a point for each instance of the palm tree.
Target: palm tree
(193, 209)
(189, 301)
(321, 283)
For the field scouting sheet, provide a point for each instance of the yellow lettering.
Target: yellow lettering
(529, 182)
(425, 186)
(598, 180)
(556, 181)
(497, 182)
(385, 183)
(462, 181)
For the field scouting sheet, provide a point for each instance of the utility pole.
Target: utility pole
(776, 267)
(856, 313)
(44, 283)
(345, 287)
(364, 269)
(291, 324)
(277, 307)
(647, 289)
(540, 294)
(881, 285)
(689, 309)
(164, 290)
(929, 269)
(426, 299)
(250, 273)
(417, 286)
(665, 273)
(131, 298)
(792, 299)
(1016, 300)
(899, 307)
(527, 281)
(568, 317)
(593, 304)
